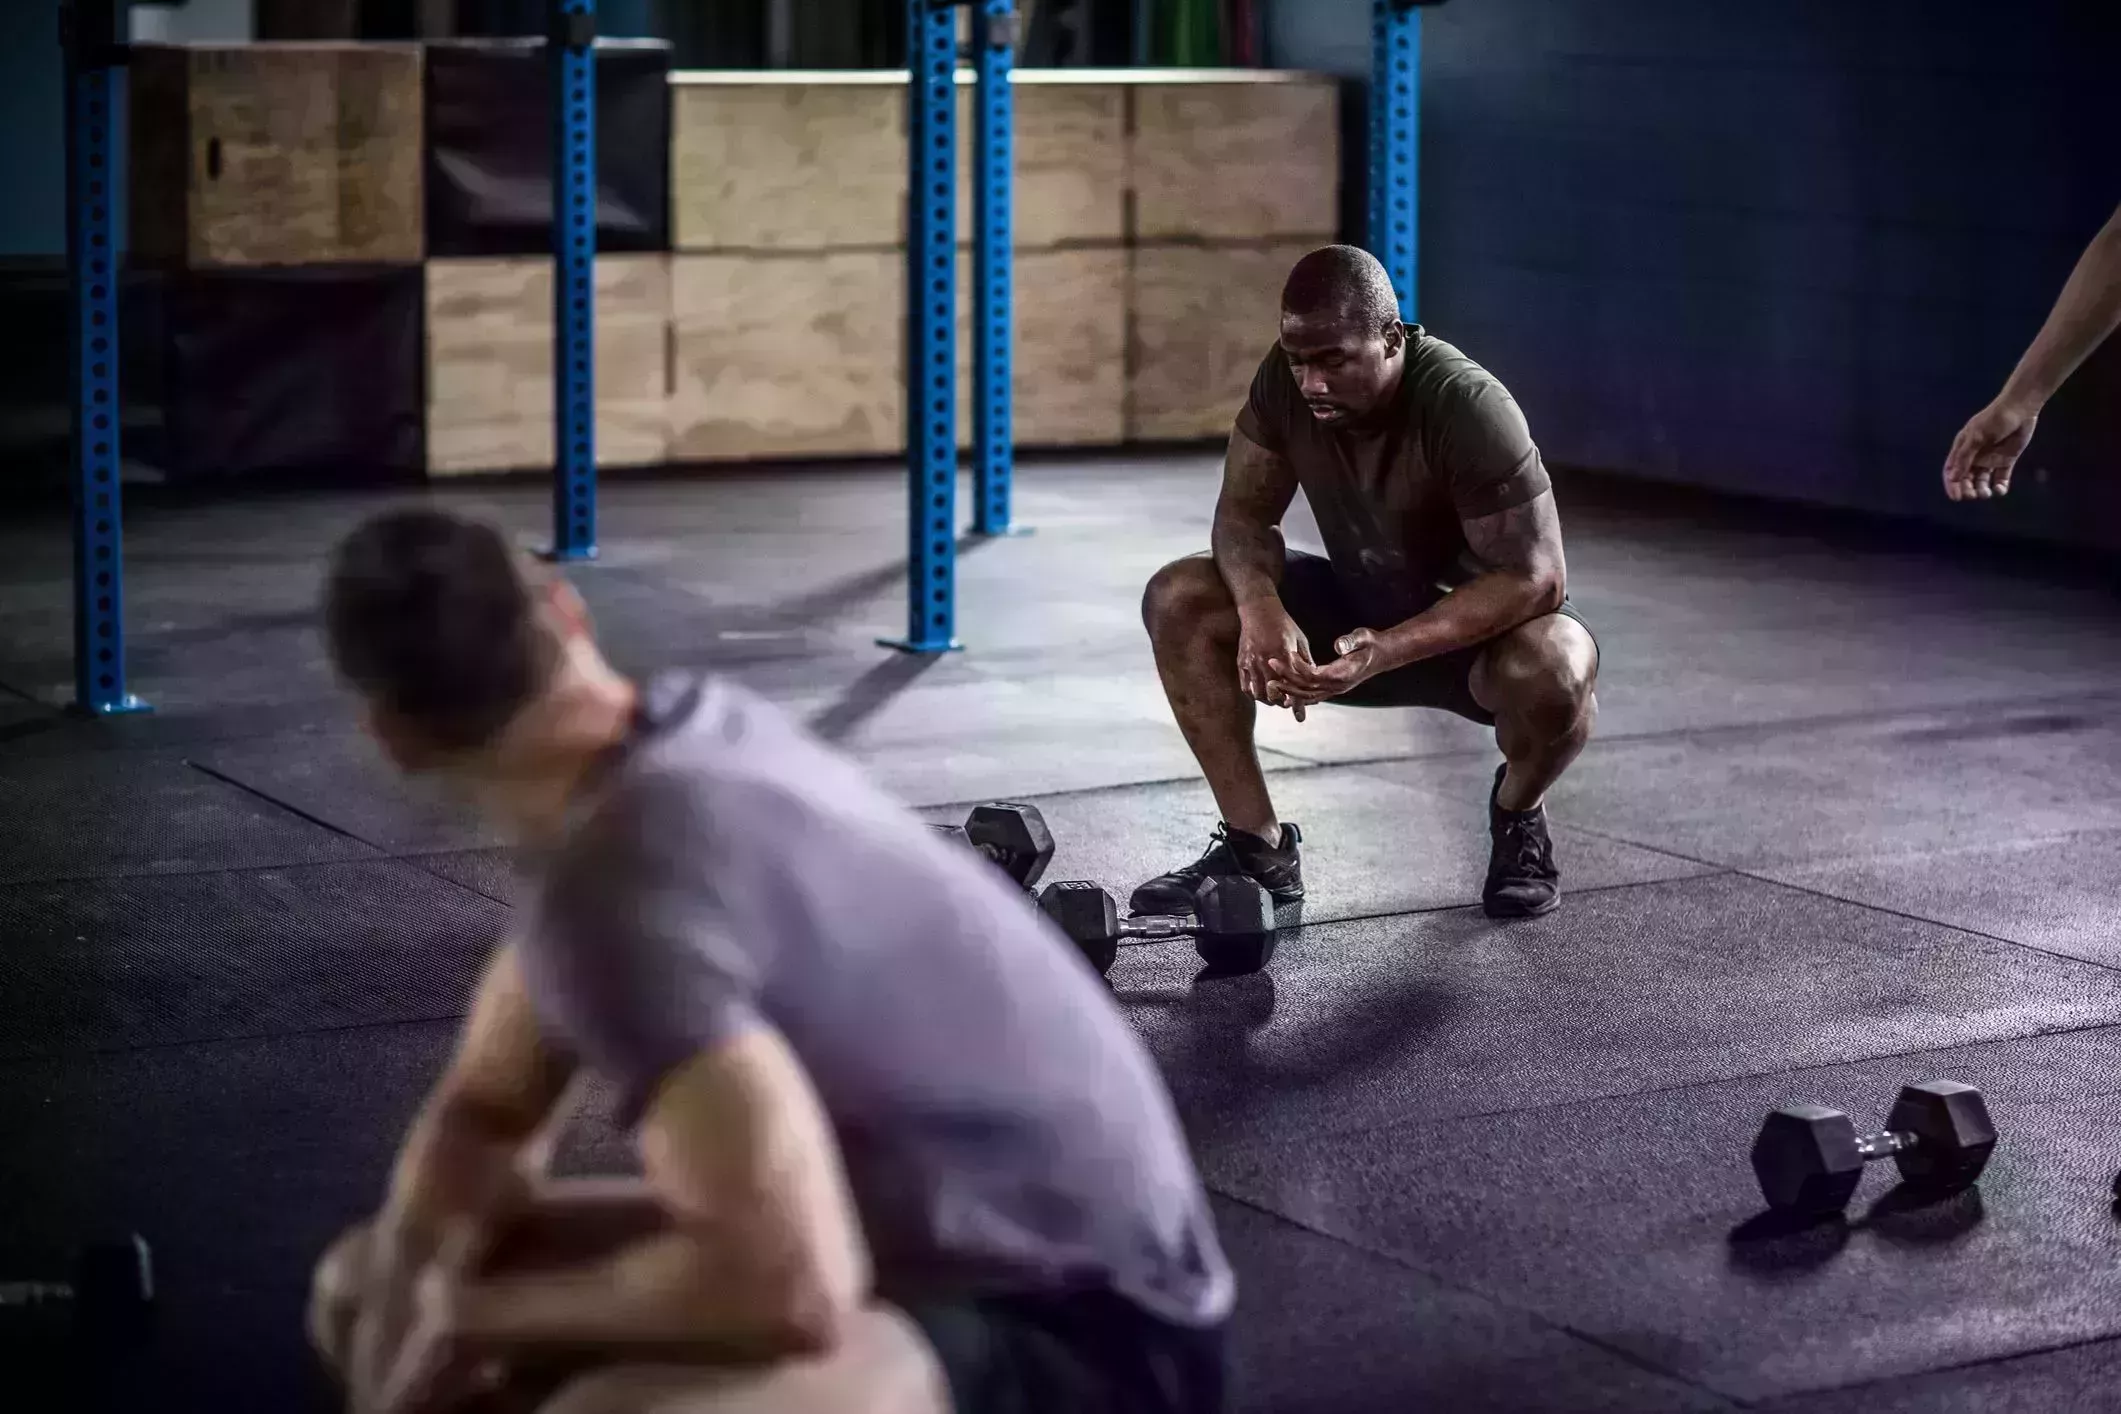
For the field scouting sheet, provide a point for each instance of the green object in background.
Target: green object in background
(1196, 34)
(1185, 34)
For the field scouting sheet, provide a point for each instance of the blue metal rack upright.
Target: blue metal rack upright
(572, 53)
(993, 255)
(931, 330)
(1395, 144)
(93, 54)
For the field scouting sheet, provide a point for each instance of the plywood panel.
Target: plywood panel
(788, 356)
(811, 166)
(1203, 318)
(787, 166)
(1235, 161)
(1070, 352)
(489, 362)
(276, 154)
(1071, 163)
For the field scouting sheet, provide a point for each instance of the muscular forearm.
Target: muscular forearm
(1250, 555)
(452, 1179)
(2088, 311)
(1475, 612)
(462, 1166)
(669, 1295)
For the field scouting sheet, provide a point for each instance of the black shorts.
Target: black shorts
(1090, 1352)
(1313, 595)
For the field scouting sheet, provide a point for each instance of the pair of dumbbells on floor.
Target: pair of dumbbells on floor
(101, 1305)
(1810, 1159)
(1233, 926)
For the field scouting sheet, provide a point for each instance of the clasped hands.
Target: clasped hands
(385, 1313)
(1274, 663)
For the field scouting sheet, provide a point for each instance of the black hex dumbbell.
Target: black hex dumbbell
(1809, 1159)
(103, 1302)
(1014, 836)
(1233, 926)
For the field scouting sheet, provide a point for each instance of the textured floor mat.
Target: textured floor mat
(87, 815)
(1371, 846)
(142, 961)
(1631, 1220)
(1355, 1025)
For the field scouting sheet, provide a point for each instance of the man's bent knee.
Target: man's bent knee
(1547, 669)
(1184, 596)
(882, 1365)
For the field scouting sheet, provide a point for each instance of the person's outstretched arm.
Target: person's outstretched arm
(2089, 310)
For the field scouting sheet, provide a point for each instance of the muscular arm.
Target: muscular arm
(482, 1120)
(763, 1255)
(2086, 313)
(1257, 489)
(1525, 576)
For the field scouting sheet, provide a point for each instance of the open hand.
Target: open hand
(1986, 450)
(1301, 683)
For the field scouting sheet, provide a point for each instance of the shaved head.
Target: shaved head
(1341, 284)
(1341, 333)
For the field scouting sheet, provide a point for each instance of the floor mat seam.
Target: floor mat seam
(1406, 1263)
(1715, 1082)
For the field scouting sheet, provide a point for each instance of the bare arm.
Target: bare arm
(480, 1124)
(1258, 486)
(2086, 313)
(764, 1254)
(1525, 576)
(1987, 449)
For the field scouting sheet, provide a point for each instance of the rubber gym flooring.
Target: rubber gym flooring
(1853, 818)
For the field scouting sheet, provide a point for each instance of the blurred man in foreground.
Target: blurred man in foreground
(901, 1152)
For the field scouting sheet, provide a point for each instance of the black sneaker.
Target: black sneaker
(1523, 881)
(1277, 869)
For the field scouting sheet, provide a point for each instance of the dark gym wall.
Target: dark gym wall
(33, 218)
(1782, 249)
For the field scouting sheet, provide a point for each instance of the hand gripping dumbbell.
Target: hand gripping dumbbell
(1809, 1159)
(104, 1301)
(1233, 927)
(1015, 837)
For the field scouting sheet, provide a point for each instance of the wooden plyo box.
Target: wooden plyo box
(786, 166)
(1069, 356)
(275, 154)
(1204, 317)
(1236, 160)
(1070, 143)
(804, 354)
(787, 355)
(489, 362)
(776, 164)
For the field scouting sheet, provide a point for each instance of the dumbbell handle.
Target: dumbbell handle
(1885, 1143)
(1158, 926)
(17, 1294)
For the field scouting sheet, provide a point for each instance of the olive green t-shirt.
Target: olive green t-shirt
(1391, 496)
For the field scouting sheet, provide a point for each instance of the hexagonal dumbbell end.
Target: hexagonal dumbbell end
(1236, 929)
(1953, 1133)
(1014, 837)
(1806, 1160)
(1087, 914)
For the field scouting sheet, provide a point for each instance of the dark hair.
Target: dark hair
(1342, 282)
(432, 617)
